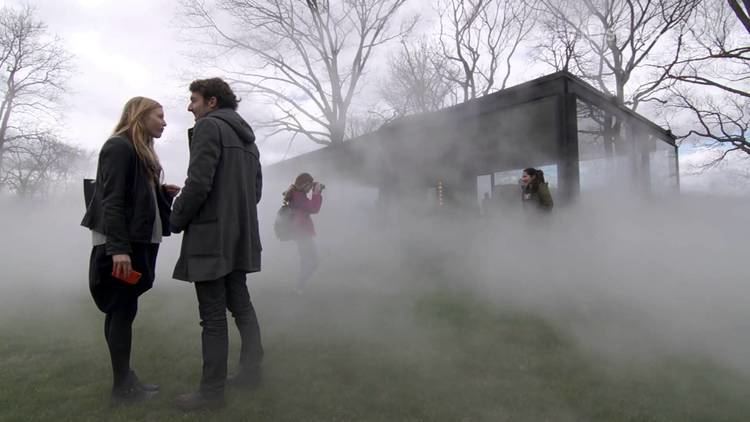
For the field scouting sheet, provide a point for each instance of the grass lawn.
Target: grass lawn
(356, 355)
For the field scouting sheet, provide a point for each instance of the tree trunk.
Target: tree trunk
(742, 15)
(7, 109)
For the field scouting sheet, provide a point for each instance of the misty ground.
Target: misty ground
(409, 328)
(435, 356)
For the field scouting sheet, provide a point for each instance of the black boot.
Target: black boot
(246, 378)
(130, 395)
(145, 387)
(199, 401)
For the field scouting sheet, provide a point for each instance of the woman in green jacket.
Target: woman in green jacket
(535, 190)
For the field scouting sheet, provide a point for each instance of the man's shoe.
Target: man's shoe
(249, 379)
(199, 401)
(141, 386)
(130, 395)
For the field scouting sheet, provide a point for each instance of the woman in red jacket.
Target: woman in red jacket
(304, 229)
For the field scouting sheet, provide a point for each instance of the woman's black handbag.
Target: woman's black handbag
(284, 225)
(89, 185)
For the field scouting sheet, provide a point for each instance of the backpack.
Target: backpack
(284, 224)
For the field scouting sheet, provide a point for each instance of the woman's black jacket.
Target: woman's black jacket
(122, 207)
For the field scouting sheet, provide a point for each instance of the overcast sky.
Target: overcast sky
(129, 48)
(122, 49)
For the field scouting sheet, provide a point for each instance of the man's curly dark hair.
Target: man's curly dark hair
(216, 87)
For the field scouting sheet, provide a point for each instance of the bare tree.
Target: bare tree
(713, 81)
(718, 54)
(626, 47)
(419, 79)
(39, 164)
(722, 125)
(33, 69)
(480, 39)
(363, 123)
(308, 57)
(558, 45)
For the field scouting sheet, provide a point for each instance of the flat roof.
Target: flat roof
(395, 140)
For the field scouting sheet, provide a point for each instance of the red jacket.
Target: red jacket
(303, 207)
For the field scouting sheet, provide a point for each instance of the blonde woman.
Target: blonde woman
(128, 215)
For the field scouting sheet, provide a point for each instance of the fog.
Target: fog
(629, 278)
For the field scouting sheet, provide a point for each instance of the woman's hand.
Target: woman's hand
(121, 266)
(172, 190)
(317, 189)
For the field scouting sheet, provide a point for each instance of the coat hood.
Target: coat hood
(233, 119)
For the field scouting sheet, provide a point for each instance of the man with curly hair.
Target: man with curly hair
(217, 211)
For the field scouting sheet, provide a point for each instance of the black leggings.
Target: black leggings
(118, 331)
(119, 302)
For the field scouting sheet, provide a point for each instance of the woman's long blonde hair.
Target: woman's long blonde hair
(132, 126)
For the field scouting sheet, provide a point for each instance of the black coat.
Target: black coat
(217, 208)
(122, 207)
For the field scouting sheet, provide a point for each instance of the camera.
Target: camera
(322, 186)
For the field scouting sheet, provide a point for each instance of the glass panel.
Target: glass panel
(483, 188)
(506, 194)
(514, 137)
(604, 148)
(662, 166)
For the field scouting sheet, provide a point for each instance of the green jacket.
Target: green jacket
(540, 199)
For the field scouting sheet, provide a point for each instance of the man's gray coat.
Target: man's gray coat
(217, 209)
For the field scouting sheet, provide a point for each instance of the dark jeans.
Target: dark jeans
(308, 260)
(214, 298)
(119, 302)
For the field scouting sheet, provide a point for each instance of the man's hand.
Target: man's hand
(317, 189)
(121, 266)
(172, 190)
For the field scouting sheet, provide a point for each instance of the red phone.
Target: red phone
(131, 279)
